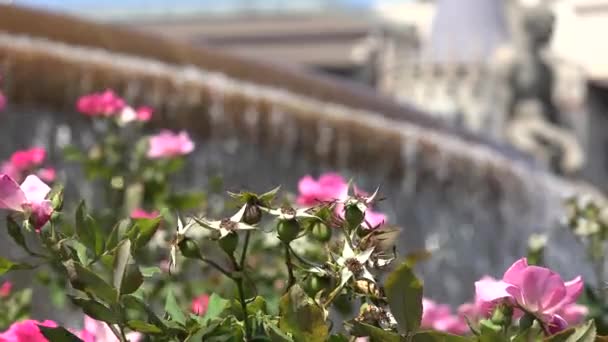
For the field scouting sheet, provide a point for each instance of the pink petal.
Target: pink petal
(556, 324)
(35, 190)
(142, 214)
(489, 290)
(41, 213)
(574, 288)
(514, 274)
(373, 219)
(11, 195)
(542, 290)
(574, 313)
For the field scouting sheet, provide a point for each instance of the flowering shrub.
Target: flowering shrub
(269, 270)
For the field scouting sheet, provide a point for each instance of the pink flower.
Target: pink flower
(329, 187)
(373, 219)
(199, 304)
(573, 313)
(5, 289)
(2, 101)
(106, 103)
(534, 289)
(29, 198)
(144, 113)
(26, 331)
(142, 214)
(97, 331)
(47, 174)
(167, 144)
(10, 170)
(439, 317)
(27, 159)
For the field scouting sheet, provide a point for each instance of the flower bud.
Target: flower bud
(288, 230)
(229, 242)
(252, 214)
(314, 284)
(526, 321)
(57, 200)
(189, 249)
(321, 232)
(502, 315)
(354, 216)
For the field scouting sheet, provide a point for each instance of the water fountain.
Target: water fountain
(473, 200)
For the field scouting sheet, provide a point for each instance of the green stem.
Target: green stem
(239, 285)
(332, 296)
(245, 246)
(218, 267)
(291, 280)
(301, 259)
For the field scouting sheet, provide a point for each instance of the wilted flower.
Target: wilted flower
(167, 144)
(142, 214)
(285, 213)
(227, 225)
(98, 331)
(199, 304)
(29, 198)
(353, 265)
(5, 289)
(105, 103)
(534, 289)
(181, 234)
(26, 331)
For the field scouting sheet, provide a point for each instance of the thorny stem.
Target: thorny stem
(218, 267)
(239, 285)
(291, 280)
(332, 296)
(118, 334)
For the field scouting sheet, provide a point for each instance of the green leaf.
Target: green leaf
(375, 334)
(215, 307)
(143, 231)
(118, 231)
(7, 265)
(87, 230)
(73, 153)
(136, 304)
(96, 310)
(88, 281)
(437, 336)
(150, 271)
(490, 332)
(58, 334)
(582, 333)
(15, 232)
(127, 276)
(186, 201)
(143, 327)
(404, 293)
(301, 317)
(173, 309)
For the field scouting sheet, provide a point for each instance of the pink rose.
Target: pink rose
(199, 304)
(10, 170)
(26, 331)
(439, 317)
(534, 289)
(2, 101)
(142, 214)
(47, 174)
(329, 187)
(167, 144)
(97, 331)
(29, 198)
(573, 314)
(144, 113)
(27, 159)
(5, 289)
(106, 103)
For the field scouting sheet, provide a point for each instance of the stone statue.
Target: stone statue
(538, 122)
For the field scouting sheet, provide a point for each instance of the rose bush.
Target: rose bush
(151, 263)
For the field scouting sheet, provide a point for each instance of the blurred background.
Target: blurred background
(476, 117)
